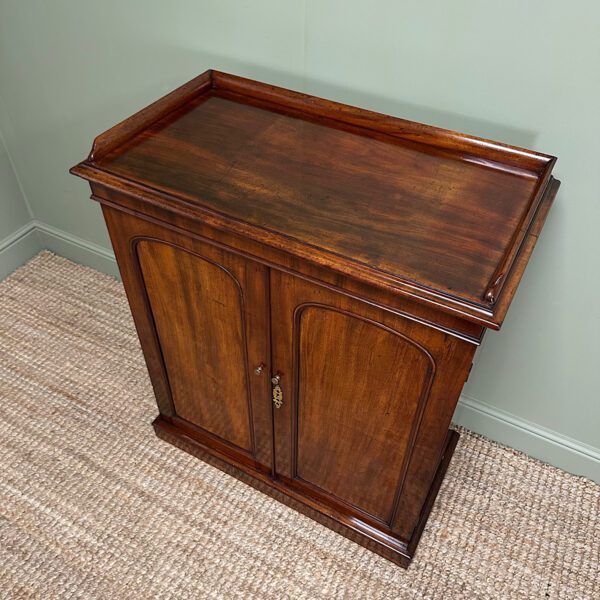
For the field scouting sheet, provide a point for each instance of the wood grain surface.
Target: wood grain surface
(309, 282)
(428, 212)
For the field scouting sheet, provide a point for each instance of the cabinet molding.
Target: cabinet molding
(216, 373)
(309, 282)
(425, 383)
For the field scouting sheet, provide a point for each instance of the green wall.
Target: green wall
(18, 239)
(13, 211)
(527, 73)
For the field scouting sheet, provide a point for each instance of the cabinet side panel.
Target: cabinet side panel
(122, 229)
(198, 310)
(454, 359)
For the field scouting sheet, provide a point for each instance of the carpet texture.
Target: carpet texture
(93, 505)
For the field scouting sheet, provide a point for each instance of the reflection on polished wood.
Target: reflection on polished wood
(310, 282)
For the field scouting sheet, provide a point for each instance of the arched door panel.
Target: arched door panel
(355, 384)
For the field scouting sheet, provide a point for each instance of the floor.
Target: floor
(93, 505)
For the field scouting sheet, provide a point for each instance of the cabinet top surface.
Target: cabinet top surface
(442, 214)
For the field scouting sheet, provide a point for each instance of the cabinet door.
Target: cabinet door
(208, 309)
(356, 380)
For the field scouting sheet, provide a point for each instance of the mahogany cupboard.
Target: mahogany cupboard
(309, 282)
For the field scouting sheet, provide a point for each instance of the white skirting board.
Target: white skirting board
(77, 249)
(506, 428)
(532, 439)
(18, 248)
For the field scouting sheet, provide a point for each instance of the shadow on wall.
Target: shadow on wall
(426, 115)
(188, 65)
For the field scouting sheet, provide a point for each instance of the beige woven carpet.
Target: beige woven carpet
(93, 505)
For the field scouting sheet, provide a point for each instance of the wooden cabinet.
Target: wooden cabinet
(310, 282)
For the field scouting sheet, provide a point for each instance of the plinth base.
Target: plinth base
(381, 541)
